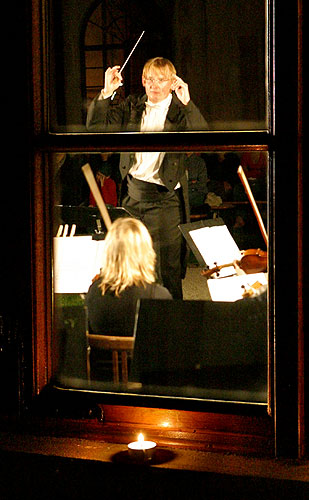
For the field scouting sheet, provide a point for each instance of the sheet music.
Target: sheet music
(217, 247)
(76, 261)
(230, 289)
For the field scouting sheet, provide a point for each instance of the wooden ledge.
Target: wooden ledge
(165, 458)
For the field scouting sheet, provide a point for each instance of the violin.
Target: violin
(252, 261)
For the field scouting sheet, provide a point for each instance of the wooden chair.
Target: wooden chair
(117, 345)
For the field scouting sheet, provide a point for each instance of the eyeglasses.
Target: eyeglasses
(160, 81)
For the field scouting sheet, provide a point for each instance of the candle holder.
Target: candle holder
(140, 450)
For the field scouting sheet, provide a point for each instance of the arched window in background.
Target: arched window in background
(111, 30)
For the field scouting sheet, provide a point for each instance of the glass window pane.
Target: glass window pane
(218, 48)
(212, 343)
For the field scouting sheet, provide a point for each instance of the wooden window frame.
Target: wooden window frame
(280, 432)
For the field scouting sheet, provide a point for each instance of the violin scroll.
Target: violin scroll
(207, 273)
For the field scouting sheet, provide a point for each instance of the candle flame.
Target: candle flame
(140, 438)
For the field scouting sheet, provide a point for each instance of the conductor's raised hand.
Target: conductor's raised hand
(112, 81)
(181, 90)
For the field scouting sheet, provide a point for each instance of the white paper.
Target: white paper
(230, 289)
(76, 261)
(217, 247)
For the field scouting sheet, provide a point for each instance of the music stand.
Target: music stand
(210, 241)
(86, 218)
(214, 248)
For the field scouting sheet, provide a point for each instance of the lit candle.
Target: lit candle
(141, 450)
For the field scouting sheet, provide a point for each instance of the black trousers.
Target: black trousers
(161, 212)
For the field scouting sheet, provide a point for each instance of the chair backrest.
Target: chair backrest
(117, 345)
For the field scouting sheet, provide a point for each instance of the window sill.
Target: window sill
(166, 458)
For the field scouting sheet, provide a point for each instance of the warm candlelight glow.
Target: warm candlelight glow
(141, 450)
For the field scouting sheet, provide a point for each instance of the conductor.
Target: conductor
(154, 184)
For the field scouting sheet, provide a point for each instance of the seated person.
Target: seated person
(71, 186)
(127, 274)
(222, 174)
(102, 164)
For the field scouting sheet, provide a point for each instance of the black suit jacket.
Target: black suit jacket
(127, 116)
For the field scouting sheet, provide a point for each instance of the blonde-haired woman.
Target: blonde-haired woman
(127, 274)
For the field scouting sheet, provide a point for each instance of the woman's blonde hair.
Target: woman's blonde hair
(160, 64)
(128, 256)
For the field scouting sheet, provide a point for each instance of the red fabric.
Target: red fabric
(254, 164)
(108, 192)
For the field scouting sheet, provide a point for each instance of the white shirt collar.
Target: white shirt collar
(162, 104)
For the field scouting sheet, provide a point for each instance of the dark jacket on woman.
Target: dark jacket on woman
(111, 315)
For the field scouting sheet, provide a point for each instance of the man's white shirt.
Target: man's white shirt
(146, 165)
